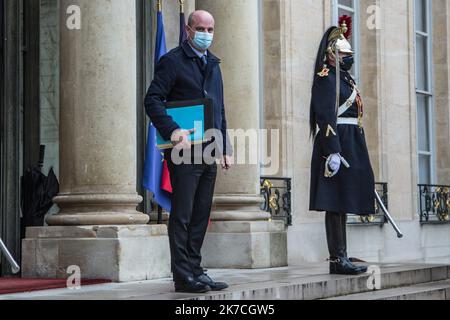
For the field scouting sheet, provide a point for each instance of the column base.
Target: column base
(245, 245)
(116, 253)
(97, 209)
(97, 219)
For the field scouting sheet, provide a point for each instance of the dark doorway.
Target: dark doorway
(31, 82)
(10, 121)
(19, 111)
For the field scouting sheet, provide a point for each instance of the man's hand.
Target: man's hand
(180, 139)
(226, 162)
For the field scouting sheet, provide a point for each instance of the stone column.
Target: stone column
(98, 227)
(251, 239)
(98, 117)
(441, 56)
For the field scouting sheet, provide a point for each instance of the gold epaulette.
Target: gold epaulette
(324, 73)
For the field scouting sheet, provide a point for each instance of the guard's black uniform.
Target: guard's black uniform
(352, 189)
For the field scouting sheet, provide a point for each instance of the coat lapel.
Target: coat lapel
(213, 61)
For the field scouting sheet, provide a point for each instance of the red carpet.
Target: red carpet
(18, 285)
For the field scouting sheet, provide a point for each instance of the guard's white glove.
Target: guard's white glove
(335, 162)
(332, 165)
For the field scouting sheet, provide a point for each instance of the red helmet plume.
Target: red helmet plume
(349, 22)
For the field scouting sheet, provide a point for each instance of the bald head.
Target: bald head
(200, 17)
(201, 22)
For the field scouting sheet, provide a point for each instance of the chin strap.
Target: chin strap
(338, 80)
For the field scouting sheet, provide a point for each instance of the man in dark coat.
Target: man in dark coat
(342, 179)
(190, 72)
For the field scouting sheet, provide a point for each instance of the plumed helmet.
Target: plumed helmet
(338, 38)
(344, 46)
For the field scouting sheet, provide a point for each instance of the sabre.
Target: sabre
(14, 266)
(388, 216)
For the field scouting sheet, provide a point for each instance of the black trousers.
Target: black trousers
(336, 228)
(193, 191)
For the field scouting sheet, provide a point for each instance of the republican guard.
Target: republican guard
(342, 179)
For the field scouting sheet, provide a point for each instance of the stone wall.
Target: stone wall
(388, 87)
(292, 30)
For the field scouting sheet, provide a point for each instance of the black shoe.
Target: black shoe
(215, 286)
(191, 286)
(345, 267)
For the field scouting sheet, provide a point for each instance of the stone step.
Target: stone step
(317, 284)
(305, 282)
(439, 290)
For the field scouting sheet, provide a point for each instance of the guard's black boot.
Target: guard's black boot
(342, 265)
(343, 218)
(336, 228)
(363, 269)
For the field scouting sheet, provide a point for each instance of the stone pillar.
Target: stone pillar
(441, 61)
(251, 239)
(98, 117)
(98, 227)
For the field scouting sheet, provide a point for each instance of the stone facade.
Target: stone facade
(387, 82)
(268, 50)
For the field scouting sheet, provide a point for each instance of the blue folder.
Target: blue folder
(196, 114)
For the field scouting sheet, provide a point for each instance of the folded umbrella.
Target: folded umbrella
(38, 192)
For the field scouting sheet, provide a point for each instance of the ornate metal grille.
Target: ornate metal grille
(378, 218)
(277, 196)
(434, 204)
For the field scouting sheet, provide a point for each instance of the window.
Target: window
(49, 82)
(49, 85)
(424, 91)
(350, 8)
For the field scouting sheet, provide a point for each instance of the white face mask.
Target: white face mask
(203, 40)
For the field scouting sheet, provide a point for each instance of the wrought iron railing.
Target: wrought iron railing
(378, 218)
(277, 196)
(434, 204)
